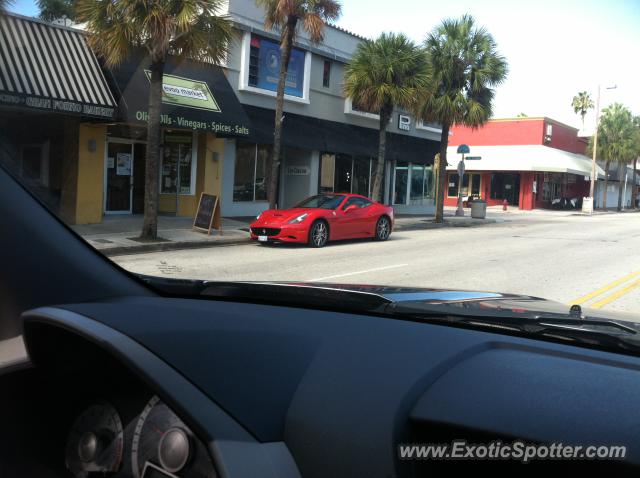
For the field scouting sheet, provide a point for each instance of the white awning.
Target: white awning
(537, 158)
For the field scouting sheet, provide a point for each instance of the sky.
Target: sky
(554, 48)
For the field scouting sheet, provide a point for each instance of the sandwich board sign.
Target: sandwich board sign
(208, 214)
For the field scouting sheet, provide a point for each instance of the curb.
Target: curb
(230, 241)
(170, 246)
(428, 224)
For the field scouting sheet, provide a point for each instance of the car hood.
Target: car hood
(279, 216)
(365, 298)
(478, 302)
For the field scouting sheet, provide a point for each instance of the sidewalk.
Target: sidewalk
(118, 235)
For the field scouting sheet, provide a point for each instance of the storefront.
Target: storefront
(199, 110)
(325, 156)
(526, 176)
(54, 105)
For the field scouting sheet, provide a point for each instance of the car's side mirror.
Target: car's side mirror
(350, 208)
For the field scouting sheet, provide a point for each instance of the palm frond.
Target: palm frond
(193, 28)
(466, 67)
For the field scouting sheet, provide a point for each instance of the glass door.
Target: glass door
(401, 183)
(119, 172)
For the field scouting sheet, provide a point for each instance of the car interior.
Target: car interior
(122, 379)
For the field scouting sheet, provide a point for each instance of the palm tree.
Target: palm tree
(616, 142)
(466, 67)
(51, 10)
(581, 104)
(189, 28)
(389, 71)
(285, 15)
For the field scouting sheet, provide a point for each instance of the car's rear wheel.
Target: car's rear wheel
(383, 229)
(318, 234)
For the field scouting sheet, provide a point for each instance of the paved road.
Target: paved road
(594, 260)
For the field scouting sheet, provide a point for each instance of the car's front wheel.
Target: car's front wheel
(318, 234)
(383, 229)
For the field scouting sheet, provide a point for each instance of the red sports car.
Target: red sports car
(325, 217)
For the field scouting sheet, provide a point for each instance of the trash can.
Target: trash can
(478, 209)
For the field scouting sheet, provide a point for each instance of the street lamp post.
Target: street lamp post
(462, 149)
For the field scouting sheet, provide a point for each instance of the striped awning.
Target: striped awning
(49, 67)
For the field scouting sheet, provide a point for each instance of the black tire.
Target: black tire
(318, 234)
(383, 229)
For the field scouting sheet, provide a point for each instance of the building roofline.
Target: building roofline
(348, 32)
(532, 118)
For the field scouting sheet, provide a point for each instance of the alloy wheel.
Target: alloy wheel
(383, 229)
(319, 234)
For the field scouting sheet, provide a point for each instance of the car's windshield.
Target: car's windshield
(323, 201)
(177, 166)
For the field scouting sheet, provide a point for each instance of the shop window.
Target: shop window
(326, 74)
(505, 186)
(251, 172)
(452, 190)
(361, 176)
(343, 173)
(327, 172)
(420, 182)
(177, 169)
(475, 185)
(264, 67)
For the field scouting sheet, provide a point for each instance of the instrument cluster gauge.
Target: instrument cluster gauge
(95, 442)
(164, 447)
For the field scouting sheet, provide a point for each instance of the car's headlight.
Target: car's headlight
(299, 219)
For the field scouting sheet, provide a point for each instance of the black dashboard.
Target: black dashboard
(235, 389)
(92, 417)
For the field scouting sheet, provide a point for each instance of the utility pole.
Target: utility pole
(592, 186)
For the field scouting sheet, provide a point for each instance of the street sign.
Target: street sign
(472, 158)
(463, 149)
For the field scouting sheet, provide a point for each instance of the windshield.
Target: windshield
(325, 201)
(527, 184)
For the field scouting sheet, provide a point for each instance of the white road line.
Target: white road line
(358, 272)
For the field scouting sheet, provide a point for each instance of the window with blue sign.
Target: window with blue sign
(264, 67)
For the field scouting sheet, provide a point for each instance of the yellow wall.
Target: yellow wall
(84, 191)
(208, 177)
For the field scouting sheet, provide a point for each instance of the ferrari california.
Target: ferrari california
(323, 218)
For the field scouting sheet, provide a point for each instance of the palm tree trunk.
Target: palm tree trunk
(285, 54)
(442, 173)
(385, 114)
(150, 223)
(606, 184)
(621, 168)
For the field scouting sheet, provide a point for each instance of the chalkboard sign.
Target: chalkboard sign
(208, 214)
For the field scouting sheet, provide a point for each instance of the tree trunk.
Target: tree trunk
(286, 44)
(150, 223)
(385, 115)
(606, 185)
(621, 170)
(442, 173)
(634, 190)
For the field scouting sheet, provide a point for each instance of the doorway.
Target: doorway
(124, 177)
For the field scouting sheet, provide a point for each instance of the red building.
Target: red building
(530, 162)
